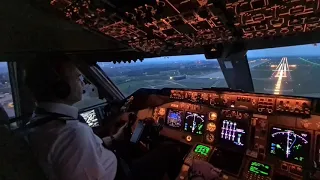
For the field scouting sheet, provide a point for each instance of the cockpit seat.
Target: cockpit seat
(16, 158)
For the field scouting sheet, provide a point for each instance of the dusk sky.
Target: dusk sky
(301, 50)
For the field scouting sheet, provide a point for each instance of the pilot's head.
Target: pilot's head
(54, 78)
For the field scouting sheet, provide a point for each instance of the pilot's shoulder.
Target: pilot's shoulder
(77, 127)
(77, 131)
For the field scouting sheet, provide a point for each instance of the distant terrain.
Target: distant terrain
(304, 71)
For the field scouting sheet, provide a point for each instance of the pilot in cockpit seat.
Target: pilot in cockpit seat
(68, 149)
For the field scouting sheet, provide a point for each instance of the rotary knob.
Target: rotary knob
(189, 138)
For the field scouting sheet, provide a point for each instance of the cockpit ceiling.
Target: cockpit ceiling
(161, 26)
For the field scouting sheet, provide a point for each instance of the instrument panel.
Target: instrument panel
(269, 136)
(256, 103)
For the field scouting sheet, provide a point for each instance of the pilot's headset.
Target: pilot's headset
(59, 86)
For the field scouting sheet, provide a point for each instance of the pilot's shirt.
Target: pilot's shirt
(71, 151)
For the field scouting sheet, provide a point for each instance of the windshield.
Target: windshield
(293, 70)
(189, 71)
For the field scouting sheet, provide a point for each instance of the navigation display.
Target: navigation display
(194, 123)
(259, 168)
(233, 133)
(291, 145)
(202, 150)
(174, 118)
(91, 118)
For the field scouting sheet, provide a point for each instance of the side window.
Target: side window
(90, 96)
(6, 99)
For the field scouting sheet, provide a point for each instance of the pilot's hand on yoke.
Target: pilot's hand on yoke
(201, 170)
(119, 136)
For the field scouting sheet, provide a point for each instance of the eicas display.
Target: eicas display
(233, 133)
(259, 168)
(202, 150)
(174, 118)
(291, 145)
(194, 123)
(91, 118)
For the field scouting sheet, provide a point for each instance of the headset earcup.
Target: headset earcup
(62, 89)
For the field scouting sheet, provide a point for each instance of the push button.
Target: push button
(284, 167)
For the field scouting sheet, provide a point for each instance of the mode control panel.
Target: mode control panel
(266, 105)
(293, 106)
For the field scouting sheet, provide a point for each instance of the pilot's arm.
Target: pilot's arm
(79, 154)
(201, 170)
(118, 136)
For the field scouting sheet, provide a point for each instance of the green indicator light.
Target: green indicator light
(259, 168)
(201, 149)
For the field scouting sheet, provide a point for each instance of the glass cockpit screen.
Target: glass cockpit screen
(174, 118)
(233, 133)
(202, 150)
(194, 123)
(291, 145)
(259, 168)
(91, 118)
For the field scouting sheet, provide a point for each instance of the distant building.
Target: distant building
(178, 77)
(170, 73)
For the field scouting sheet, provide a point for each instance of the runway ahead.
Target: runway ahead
(282, 72)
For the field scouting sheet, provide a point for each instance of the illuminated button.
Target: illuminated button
(188, 138)
(162, 111)
(212, 116)
(225, 177)
(211, 127)
(284, 167)
(292, 169)
(299, 169)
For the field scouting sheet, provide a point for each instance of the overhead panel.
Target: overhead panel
(158, 26)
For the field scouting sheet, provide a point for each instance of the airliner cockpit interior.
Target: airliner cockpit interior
(234, 83)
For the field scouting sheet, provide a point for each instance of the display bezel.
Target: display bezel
(182, 118)
(204, 122)
(307, 154)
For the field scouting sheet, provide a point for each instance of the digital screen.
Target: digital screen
(289, 144)
(137, 132)
(202, 150)
(233, 133)
(174, 118)
(91, 118)
(194, 123)
(259, 168)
